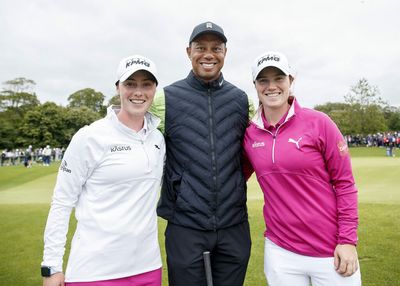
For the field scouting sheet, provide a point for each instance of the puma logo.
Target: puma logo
(295, 142)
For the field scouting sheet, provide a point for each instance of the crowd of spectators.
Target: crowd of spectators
(388, 140)
(374, 140)
(29, 155)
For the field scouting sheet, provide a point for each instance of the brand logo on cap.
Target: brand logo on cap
(137, 61)
(209, 25)
(268, 58)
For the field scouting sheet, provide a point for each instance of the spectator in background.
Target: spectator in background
(28, 157)
(46, 155)
(11, 157)
(3, 156)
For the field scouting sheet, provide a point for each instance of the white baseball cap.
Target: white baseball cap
(132, 64)
(270, 59)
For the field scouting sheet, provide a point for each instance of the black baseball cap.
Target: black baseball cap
(205, 28)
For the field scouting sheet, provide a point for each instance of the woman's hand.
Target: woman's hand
(346, 259)
(56, 279)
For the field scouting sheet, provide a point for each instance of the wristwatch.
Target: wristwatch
(47, 271)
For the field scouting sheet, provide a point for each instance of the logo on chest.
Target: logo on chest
(119, 148)
(258, 144)
(296, 142)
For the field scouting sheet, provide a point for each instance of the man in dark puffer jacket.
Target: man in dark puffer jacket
(204, 192)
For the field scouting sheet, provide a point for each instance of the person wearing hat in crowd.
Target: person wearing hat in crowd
(204, 192)
(303, 167)
(111, 173)
(46, 155)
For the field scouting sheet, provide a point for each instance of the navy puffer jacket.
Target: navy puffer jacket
(203, 186)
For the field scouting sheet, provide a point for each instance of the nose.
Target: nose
(271, 85)
(208, 54)
(138, 92)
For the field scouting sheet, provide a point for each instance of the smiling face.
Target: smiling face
(273, 88)
(137, 94)
(207, 54)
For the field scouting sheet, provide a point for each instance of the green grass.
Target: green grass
(25, 195)
(377, 179)
(11, 176)
(367, 152)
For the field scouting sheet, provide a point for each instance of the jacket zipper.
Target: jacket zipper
(274, 141)
(213, 161)
(274, 135)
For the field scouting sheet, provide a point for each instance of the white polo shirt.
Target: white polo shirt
(112, 176)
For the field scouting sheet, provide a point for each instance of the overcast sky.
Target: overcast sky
(67, 45)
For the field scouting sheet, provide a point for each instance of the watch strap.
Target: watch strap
(47, 271)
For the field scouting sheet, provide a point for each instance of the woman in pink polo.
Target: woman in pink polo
(310, 199)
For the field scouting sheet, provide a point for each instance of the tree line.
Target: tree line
(25, 121)
(363, 111)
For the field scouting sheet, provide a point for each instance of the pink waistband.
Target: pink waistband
(151, 278)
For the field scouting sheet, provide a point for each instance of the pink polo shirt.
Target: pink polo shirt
(304, 170)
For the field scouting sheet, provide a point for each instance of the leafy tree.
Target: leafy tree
(87, 97)
(337, 111)
(43, 125)
(16, 98)
(392, 116)
(20, 85)
(54, 125)
(8, 132)
(115, 100)
(18, 95)
(76, 118)
(365, 109)
(364, 94)
(17, 101)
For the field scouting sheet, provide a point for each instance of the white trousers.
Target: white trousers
(286, 268)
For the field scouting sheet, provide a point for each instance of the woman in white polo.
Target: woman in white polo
(110, 174)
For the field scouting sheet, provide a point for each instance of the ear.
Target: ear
(291, 79)
(188, 51)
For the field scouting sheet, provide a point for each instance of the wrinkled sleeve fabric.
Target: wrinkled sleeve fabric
(338, 164)
(247, 168)
(74, 170)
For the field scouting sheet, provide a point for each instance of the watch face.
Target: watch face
(46, 271)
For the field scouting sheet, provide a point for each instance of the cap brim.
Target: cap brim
(128, 73)
(218, 34)
(271, 65)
